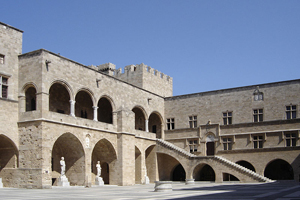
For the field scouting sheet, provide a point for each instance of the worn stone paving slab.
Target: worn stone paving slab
(203, 191)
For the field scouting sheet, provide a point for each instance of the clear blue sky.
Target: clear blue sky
(203, 45)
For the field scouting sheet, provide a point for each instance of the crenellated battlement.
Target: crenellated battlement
(142, 68)
(142, 76)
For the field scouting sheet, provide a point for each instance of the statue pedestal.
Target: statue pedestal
(63, 181)
(147, 181)
(99, 181)
(1, 184)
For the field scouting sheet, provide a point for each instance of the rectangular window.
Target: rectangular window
(290, 139)
(193, 144)
(193, 121)
(291, 112)
(258, 115)
(3, 87)
(170, 123)
(258, 142)
(227, 143)
(227, 118)
(1, 59)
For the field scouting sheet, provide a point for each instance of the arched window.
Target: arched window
(30, 96)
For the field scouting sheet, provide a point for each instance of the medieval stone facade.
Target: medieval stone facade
(53, 107)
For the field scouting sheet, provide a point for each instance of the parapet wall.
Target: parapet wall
(145, 77)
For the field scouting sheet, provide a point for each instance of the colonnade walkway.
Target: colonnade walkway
(282, 190)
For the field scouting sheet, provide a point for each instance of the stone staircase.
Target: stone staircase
(174, 147)
(217, 158)
(243, 169)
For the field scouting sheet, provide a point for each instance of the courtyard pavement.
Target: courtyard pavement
(262, 191)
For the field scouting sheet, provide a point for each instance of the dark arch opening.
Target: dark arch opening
(8, 153)
(106, 154)
(105, 111)
(154, 124)
(30, 96)
(139, 119)
(59, 99)
(279, 170)
(84, 105)
(246, 165)
(178, 173)
(204, 172)
(69, 147)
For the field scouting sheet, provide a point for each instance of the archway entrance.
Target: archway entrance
(279, 170)
(178, 173)
(69, 147)
(8, 153)
(204, 172)
(151, 163)
(106, 154)
(138, 166)
(166, 166)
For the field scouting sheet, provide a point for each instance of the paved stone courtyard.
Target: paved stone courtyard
(277, 190)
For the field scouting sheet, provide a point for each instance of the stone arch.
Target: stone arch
(204, 172)
(166, 166)
(246, 164)
(140, 118)
(59, 97)
(30, 97)
(138, 166)
(279, 169)
(28, 85)
(104, 152)
(87, 90)
(84, 104)
(210, 144)
(105, 110)
(9, 153)
(69, 147)
(178, 173)
(155, 124)
(66, 85)
(151, 162)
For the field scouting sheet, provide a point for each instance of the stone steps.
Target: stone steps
(243, 169)
(218, 158)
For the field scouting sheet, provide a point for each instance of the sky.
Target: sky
(203, 45)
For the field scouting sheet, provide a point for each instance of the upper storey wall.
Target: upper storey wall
(147, 78)
(210, 106)
(42, 68)
(10, 48)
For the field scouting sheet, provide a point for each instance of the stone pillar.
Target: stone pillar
(22, 102)
(146, 125)
(95, 113)
(88, 167)
(123, 170)
(162, 131)
(72, 108)
(145, 178)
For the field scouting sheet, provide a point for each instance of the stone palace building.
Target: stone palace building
(53, 107)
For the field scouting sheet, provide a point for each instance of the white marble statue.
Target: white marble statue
(98, 166)
(62, 166)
